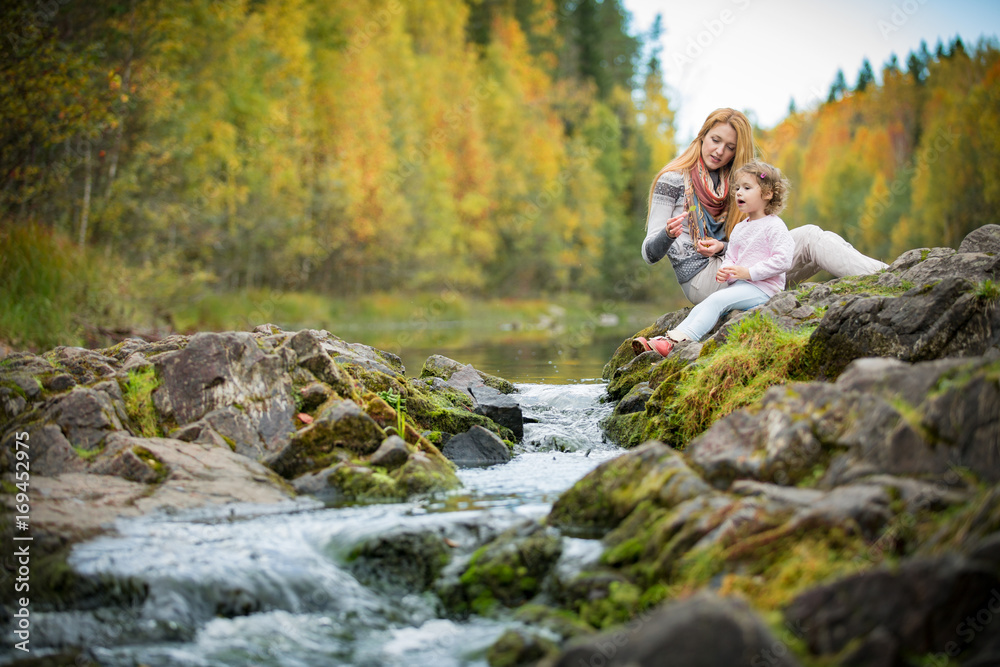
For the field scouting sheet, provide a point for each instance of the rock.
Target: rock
(985, 240)
(85, 416)
(509, 570)
(518, 647)
(341, 426)
(798, 428)
(892, 378)
(633, 372)
(768, 443)
(635, 400)
(401, 558)
(945, 319)
(11, 404)
(314, 395)
(425, 472)
(391, 454)
(443, 367)
(186, 475)
(85, 366)
(51, 452)
(476, 447)
(311, 355)
(701, 631)
(923, 605)
(225, 370)
(499, 407)
(609, 493)
(941, 264)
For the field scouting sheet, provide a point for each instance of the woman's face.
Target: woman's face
(719, 146)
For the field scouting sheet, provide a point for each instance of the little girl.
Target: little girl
(760, 252)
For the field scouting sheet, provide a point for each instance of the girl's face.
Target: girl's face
(750, 199)
(719, 146)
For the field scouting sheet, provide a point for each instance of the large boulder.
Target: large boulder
(949, 318)
(863, 425)
(221, 370)
(940, 605)
(701, 631)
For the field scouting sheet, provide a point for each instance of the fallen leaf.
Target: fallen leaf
(304, 418)
(450, 542)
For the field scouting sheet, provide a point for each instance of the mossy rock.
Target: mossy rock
(517, 647)
(627, 430)
(423, 473)
(609, 493)
(633, 372)
(407, 560)
(443, 367)
(360, 483)
(509, 570)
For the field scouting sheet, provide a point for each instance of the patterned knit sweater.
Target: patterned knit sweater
(668, 202)
(766, 248)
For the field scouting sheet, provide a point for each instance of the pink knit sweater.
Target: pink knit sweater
(766, 248)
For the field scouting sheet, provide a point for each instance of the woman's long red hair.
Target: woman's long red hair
(746, 150)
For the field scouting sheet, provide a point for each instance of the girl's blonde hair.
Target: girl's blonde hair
(746, 150)
(772, 182)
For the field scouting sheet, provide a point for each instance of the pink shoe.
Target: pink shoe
(640, 345)
(662, 345)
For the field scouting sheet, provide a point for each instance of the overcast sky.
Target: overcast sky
(757, 55)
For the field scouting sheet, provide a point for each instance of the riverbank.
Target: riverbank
(846, 514)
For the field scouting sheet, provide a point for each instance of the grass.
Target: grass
(138, 393)
(757, 355)
(52, 293)
(868, 285)
(987, 291)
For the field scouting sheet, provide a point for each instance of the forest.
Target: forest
(156, 153)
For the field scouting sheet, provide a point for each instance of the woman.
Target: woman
(691, 214)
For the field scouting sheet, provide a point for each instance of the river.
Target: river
(274, 585)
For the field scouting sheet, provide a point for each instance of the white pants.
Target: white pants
(815, 250)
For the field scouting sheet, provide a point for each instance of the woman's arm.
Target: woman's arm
(667, 203)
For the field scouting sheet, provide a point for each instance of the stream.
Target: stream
(275, 585)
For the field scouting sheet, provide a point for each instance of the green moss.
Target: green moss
(156, 464)
(138, 394)
(509, 570)
(359, 483)
(868, 285)
(987, 291)
(924, 253)
(87, 454)
(229, 441)
(758, 354)
(621, 604)
(625, 430)
(514, 648)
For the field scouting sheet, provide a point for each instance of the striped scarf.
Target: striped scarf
(706, 205)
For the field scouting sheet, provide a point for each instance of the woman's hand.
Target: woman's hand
(676, 225)
(707, 247)
(732, 273)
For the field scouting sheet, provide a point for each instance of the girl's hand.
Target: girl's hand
(676, 225)
(707, 247)
(727, 273)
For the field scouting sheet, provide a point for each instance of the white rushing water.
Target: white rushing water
(275, 586)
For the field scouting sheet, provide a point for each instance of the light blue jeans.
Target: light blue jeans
(741, 295)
